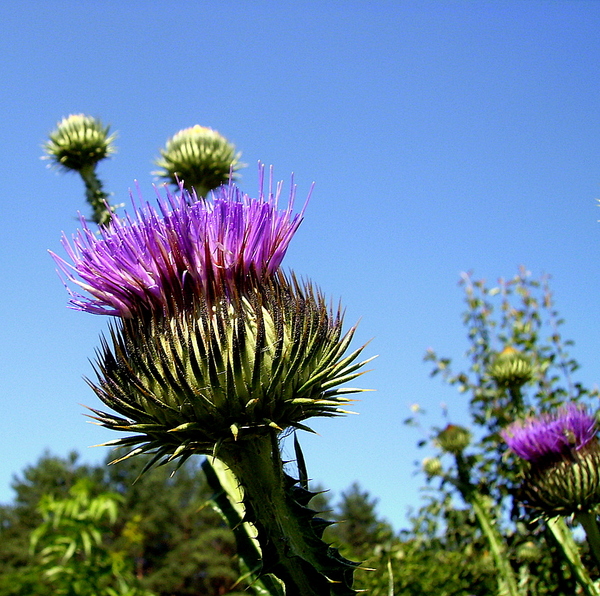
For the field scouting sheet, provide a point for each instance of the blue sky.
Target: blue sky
(442, 137)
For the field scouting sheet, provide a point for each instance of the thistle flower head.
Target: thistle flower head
(563, 458)
(199, 157)
(79, 141)
(165, 260)
(213, 345)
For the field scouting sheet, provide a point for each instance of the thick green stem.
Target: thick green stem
(227, 499)
(507, 581)
(590, 525)
(565, 541)
(291, 548)
(96, 197)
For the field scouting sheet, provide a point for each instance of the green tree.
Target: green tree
(180, 545)
(166, 528)
(73, 545)
(53, 476)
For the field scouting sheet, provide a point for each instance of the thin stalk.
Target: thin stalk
(516, 398)
(95, 195)
(507, 582)
(505, 571)
(565, 541)
(589, 522)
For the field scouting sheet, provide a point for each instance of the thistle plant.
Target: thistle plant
(198, 157)
(77, 144)
(215, 351)
(562, 457)
(518, 364)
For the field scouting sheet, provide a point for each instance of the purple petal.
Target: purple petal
(185, 248)
(568, 429)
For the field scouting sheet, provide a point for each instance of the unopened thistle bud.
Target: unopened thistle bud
(511, 369)
(528, 552)
(562, 458)
(79, 142)
(200, 158)
(432, 466)
(454, 439)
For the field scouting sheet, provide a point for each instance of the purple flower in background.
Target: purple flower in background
(158, 260)
(568, 429)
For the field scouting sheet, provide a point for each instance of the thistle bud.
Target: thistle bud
(511, 369)
(454, 439)
(562, 458)
(528, 552)
(79, 142)
(432, 466)
(198, 157)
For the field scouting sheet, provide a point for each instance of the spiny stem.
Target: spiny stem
(565, 541)
(96, 197)
(291, 548)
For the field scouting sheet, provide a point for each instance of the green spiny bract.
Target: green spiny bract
(226, 372)
(79, 142)
(566, 484)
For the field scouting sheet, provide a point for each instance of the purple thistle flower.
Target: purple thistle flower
(162, 259)
(568, 429)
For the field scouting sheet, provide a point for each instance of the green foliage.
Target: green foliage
(518, 313)
(70, 545)
(161, 532)
(165, 531)
(440, 554)
(180, 545)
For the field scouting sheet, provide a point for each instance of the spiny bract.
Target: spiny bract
(226, 372)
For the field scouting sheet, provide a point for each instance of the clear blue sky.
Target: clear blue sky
(442, 137)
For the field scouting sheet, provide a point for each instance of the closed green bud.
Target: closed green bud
(454, 439)
(432, 466)
(528, 552)
(198, 157)
(79, 142)
(511, 369)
